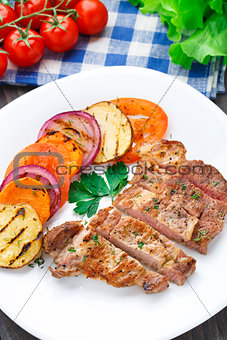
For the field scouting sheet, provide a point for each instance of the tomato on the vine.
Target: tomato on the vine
(7, 15)
(25, 47)
(3, 62)
(30, 7)
(66, 4)
(93, 16)
(60, 34)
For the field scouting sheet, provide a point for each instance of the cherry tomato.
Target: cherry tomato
(30, 7)
(57, 39)
(19, 53)
(7, 14)
(3, 62)
(66, 4)
(93, 16)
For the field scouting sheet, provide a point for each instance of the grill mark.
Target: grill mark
(13, 239)
(117, 140)
(23, 251)
(74, 130)
(51, 133)
(19, 212)
(25, 248)
(38, 236)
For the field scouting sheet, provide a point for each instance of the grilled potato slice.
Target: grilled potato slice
(116, 130)
(20, 235)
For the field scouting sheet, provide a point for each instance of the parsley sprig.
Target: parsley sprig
(201, 234)
(88, 192)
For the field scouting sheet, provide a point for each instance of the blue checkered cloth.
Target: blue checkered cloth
(130, 38)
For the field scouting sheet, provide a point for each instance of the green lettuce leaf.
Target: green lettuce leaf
(204, 22)
(216, 5)
(209, 41)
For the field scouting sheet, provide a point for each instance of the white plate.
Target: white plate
(79, 308)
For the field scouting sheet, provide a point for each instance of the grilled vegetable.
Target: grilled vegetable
(116, 131)
(149, 123)
(26, 191)
(47, 156)
(20, 235)
(42, 175)
(67, 147)
(80, 126)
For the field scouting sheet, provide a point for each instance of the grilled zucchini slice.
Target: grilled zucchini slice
(20, 235)
(116, 131)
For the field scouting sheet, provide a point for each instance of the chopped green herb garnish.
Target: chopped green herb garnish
(135, 233)
(148, 208)
(121, 258)
(84, 258)
(31, 265)
(88, 192)
(201, 234)
(85, 222)
(183, 187)
(34, 193)
(196, 196)
(137, 196)
(177, 182)
(215, 183)
(70, 134)
(141, 244)
(96, 240)
(40, 261)
(113, 252)
(154, 200)
(172, 191)
(126, 228)
(156, 206)
(72, 249)
(145, 176)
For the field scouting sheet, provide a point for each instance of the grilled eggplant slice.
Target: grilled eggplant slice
(116, 131)
(20, 235)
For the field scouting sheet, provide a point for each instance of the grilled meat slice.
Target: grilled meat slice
(167, 217)
(208, 179)
(78, 250)
(178, 188)
(145, 244)
(193, 220)
(163, 152)
(170, 155)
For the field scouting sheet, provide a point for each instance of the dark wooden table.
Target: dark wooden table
(213, 329)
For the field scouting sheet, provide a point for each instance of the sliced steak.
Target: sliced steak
(170, 155)
(167, 217)
(163, 152)
(172, 216)
(208, 179)
(78, 250)
(145, 244)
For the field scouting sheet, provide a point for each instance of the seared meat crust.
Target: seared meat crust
(169, 157)
(144, 243)
(192, 218)
(78, 250)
